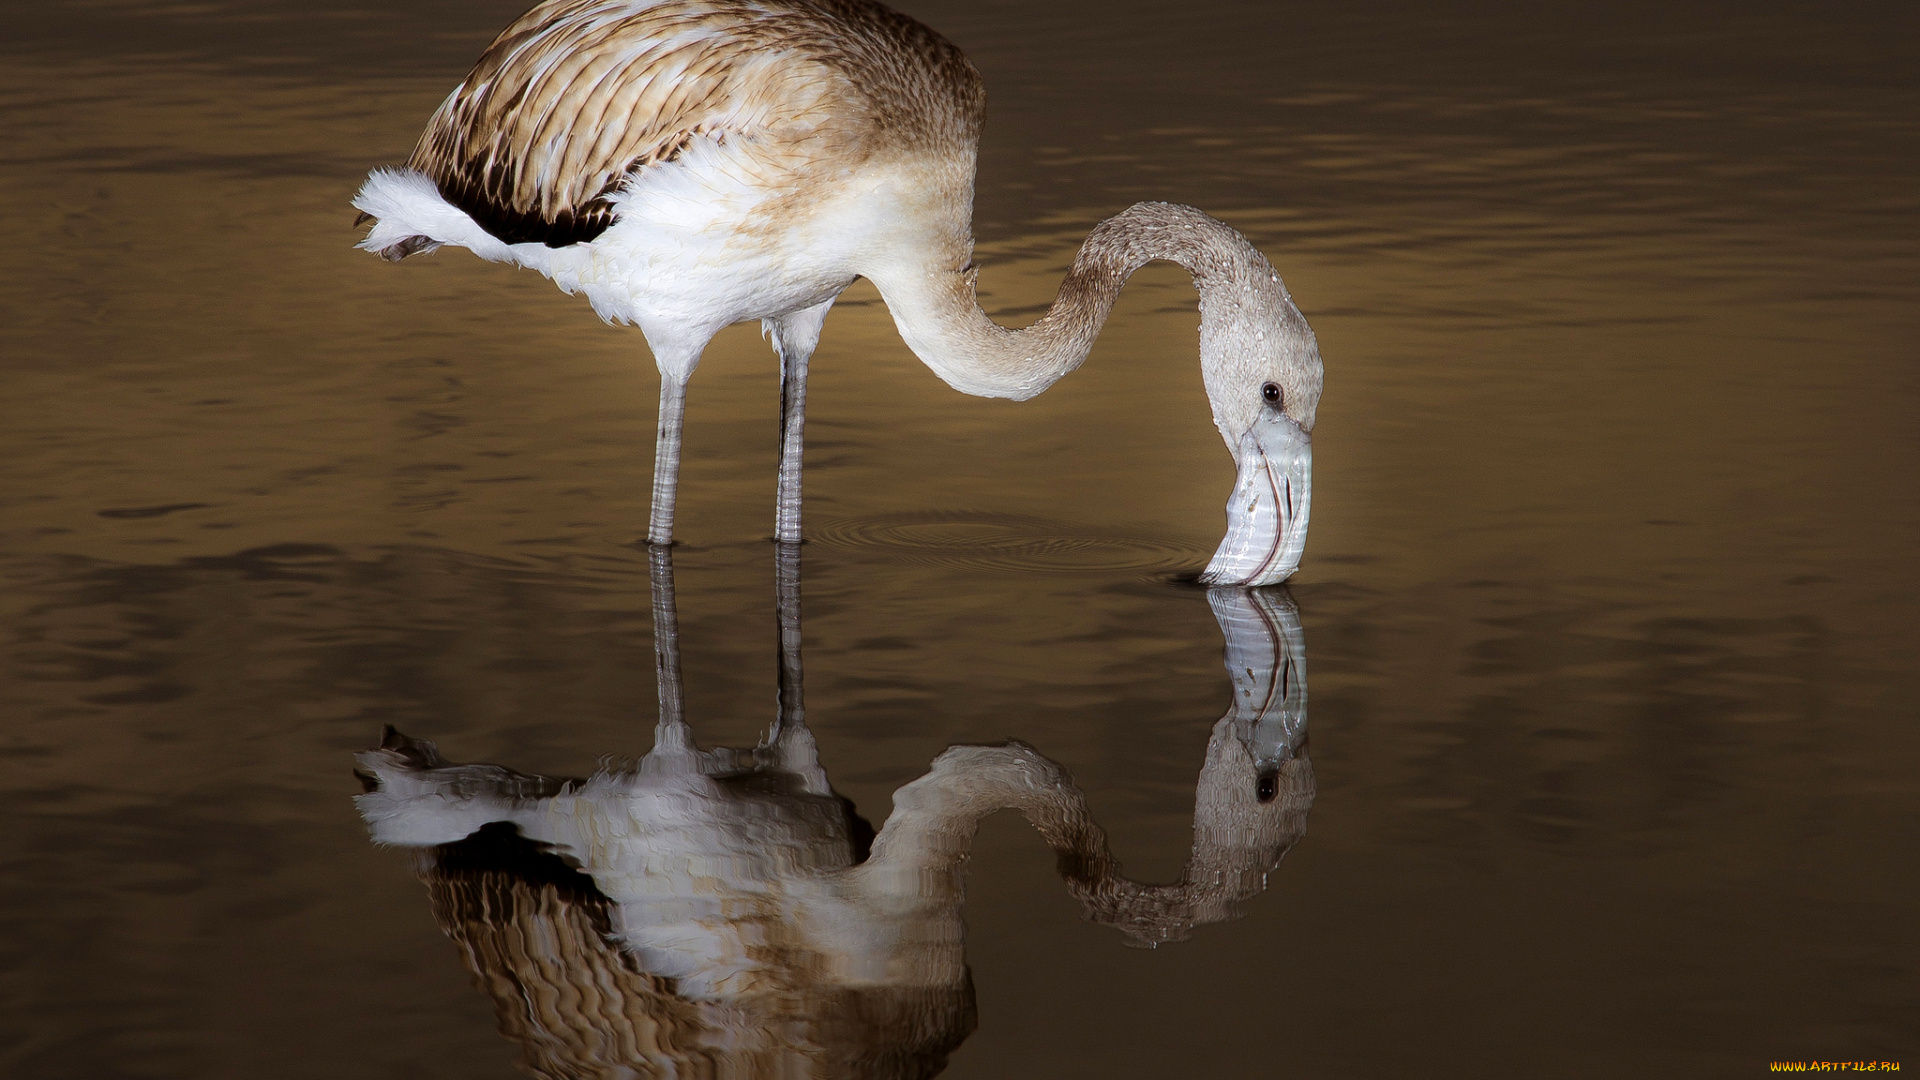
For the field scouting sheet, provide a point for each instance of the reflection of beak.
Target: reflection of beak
(1267, 661)
(1267, 513)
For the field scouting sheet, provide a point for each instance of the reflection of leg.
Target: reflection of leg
(666, 456)
(794, 338)
(793, 701)
(671, 733)
(790, 740)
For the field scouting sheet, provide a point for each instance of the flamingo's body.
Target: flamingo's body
(690, 164)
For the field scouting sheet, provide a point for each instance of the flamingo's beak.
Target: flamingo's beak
(1267, 513)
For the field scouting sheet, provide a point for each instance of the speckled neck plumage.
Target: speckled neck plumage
(942, 322)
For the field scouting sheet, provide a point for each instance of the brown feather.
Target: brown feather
(577, 95)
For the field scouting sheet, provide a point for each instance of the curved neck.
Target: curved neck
(1237, 841)
(941, 321)
(921, 853)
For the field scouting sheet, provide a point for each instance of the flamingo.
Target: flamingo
(691, 164)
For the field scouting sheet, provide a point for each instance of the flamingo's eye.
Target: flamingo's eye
(1271, 392)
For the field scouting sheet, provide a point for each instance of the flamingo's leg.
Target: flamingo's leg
(794, 337)
(666, 456)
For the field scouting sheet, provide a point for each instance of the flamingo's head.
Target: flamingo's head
(1263, 375)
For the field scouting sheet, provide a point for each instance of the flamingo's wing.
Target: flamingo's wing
(577, 95)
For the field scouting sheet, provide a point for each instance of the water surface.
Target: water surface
(1608, 603)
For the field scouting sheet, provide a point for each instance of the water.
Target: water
(1607, 607)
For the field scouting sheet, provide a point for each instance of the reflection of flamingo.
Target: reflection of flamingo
(726, 904)
(690, 164)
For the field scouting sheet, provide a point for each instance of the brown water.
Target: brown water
(1609, 601)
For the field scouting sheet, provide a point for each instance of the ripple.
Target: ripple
(1005, 543)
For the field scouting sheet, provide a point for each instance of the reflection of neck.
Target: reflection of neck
(925, 842)
(922, 850)
(1237, 841)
